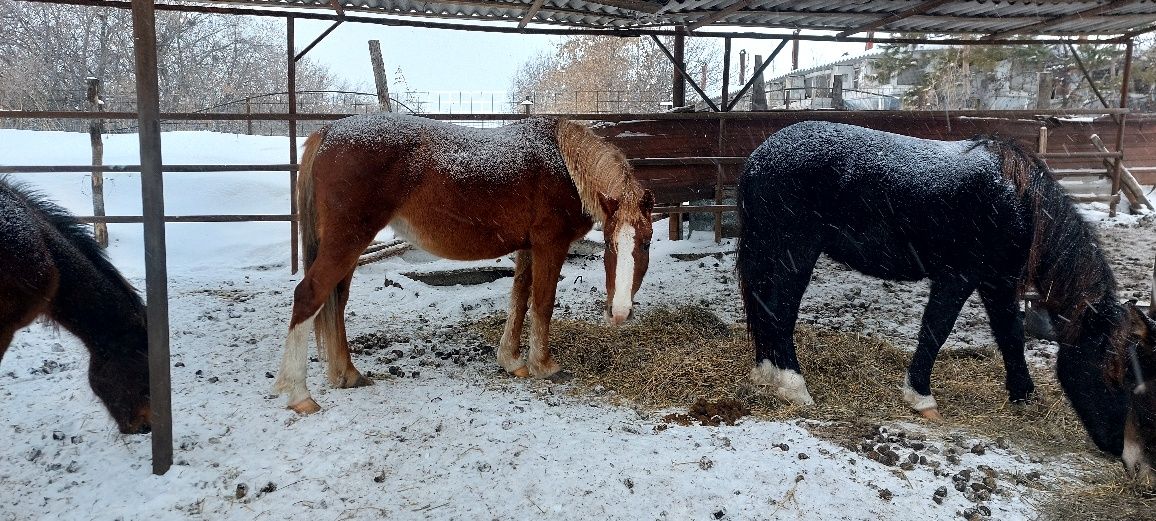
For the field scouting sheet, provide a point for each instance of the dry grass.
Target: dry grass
(672, 357)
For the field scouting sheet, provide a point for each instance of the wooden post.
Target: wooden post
(678, 91)
(95, 135)
(1044, 90)
(718, 185)
(758, 88)
(153, 202)
(1116, 172)
(291, 77)
(675, 226)
(795, 52)
(1042, 146)
(726, 79)
(379, 77)
(837, 92)
(249, 114)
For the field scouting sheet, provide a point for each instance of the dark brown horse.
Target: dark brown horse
(51, 266)
(982, 216)
(531, 187)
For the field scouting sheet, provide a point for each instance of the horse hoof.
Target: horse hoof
(305, 407)
(931, 415)
(360, 381)
(521, 372)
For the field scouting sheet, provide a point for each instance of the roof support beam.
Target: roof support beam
(919, 9)
(685, 76)
(725, 12)
(530, 13)
(633, 5)
(751, 82)
(1061, 19)
(153, 212)
(317, 40)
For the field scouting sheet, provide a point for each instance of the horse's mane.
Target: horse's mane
(1066, 263)
(76, 233)
(596, 167)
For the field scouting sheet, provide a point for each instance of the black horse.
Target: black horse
(50, 265)
(979, 215)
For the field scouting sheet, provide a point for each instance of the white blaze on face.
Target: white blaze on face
(622, 300)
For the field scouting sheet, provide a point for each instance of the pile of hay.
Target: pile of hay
(673, 357)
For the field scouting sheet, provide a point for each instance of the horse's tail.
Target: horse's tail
(325, 325)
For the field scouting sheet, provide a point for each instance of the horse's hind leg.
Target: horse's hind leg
(1007, 326)
(341, 372)
(337, 257)
(774, 274)
(547, 266)
(509, 348)
(948, 295)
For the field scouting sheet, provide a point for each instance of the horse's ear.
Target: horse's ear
(647, 203)
(609, 206)
(1141, 327)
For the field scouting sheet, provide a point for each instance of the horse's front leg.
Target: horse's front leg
(547, 266)
(1007, 326)
(509, 348)
(943, 306)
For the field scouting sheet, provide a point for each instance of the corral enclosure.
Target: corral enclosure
(221, 448)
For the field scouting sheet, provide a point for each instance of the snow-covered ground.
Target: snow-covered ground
(441, 442)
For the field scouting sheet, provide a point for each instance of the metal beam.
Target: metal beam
(153, 204)
(291, 77)
(633, 5)
(763, 67)
(1056, 20)
(725, 12)
(316, 41)
(919, 9)
(685, 76)
(530, 13)
(513, 29)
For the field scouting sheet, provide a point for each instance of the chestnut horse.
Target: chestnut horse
(51, 266)
(531, 187)
(981, 215)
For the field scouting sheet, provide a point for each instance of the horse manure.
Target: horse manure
(711, 413)
(58, 436)
(803, 455)
(214, 379)
(269, 375)
(978, 449)
(77, 439)
(719, 514)
(269, 487)
(33, 454)
(885, 495)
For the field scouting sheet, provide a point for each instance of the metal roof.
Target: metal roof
(1000, 18)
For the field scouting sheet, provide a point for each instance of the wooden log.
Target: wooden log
(379, 77)
(384, 253)
(1130, 187)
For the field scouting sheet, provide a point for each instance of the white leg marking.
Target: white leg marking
(622, 300)
(291, 377)
(919, 402)
(787, 384)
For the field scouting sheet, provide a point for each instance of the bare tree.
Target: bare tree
(608, 74)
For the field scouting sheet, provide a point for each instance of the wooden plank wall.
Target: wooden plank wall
(698, 136)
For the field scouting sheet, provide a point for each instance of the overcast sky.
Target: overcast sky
(446, 60)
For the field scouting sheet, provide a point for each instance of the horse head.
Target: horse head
(1139, 359)
(627, 230)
